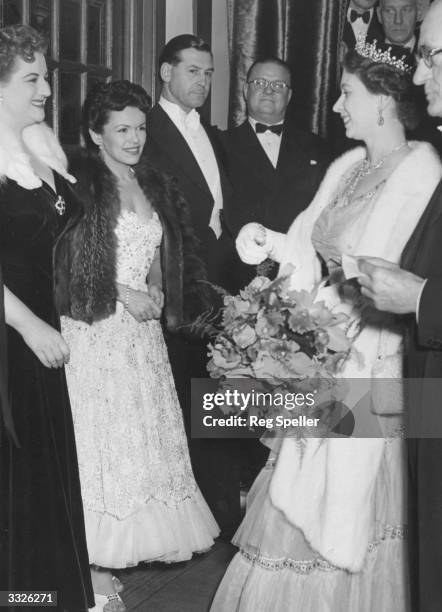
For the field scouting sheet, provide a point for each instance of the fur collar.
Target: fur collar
(39, 141)
(86, 269)
(340, 474)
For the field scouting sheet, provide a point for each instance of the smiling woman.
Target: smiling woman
(23, 100)
(42, 539)
(123, 268)
(294, 545)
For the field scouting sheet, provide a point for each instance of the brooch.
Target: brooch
(60, 205)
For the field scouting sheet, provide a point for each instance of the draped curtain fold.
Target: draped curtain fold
(6, 420)
(304, 33)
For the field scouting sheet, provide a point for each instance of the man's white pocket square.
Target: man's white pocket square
(313, 162)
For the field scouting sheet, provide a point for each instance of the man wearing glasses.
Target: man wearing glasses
(274, 168)
(415, 290)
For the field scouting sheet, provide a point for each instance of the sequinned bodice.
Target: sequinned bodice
(137, 242)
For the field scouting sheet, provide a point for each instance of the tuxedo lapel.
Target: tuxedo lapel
(415, 249)
(248, 145)
(170, 140)
(290, 151)
(226, 187)
(295, 157)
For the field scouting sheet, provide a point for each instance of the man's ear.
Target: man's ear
(97, 139)
(245, 89)
(165, 72)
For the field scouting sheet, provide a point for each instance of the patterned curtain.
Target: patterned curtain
(304, 33)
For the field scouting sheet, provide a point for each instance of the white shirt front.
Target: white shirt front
(360, 28)
(188, 124)
(270, 142)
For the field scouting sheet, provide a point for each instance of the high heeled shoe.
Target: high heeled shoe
(109, 603)
(118, 585)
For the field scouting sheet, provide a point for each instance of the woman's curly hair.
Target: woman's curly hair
(19, 41)
(381, 78)
(106, 97)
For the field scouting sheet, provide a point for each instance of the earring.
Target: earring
(380, 117)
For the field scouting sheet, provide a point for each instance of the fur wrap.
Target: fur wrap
(39, 141)
(86, 267)
(328, 492)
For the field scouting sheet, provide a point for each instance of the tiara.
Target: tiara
(373, 53)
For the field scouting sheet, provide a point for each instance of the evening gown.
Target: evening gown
(276, 569)
(42, 537)
(141, 501)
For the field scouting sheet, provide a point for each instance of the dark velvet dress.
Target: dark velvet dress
(42, 539)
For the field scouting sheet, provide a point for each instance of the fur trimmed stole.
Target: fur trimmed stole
(39, 141)
(86, 267)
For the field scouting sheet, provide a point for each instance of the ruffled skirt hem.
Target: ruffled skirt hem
(257, 584)
(277, 570)
(156, 532)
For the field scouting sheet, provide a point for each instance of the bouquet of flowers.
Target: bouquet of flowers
(277, 336)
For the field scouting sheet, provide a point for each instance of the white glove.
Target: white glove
(251, 244)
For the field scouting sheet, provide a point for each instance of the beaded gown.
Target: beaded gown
(141, 501)
(276, 568)
(42, 538)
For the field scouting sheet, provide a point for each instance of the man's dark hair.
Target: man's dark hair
(269, 60)
(171, 54)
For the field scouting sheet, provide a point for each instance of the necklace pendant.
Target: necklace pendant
(60, 205)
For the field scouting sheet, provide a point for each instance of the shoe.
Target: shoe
(118, 585)
(109, 603)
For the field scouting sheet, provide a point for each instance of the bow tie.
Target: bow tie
(365, 16)
(192, 120)
(276, 129)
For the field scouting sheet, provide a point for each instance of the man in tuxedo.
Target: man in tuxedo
(275, 168)
(415, 290)
(362, 20)
(398, 19)
(183, 146)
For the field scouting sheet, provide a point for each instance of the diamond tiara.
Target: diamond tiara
(371, 52)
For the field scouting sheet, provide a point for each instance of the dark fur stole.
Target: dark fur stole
(86, 268)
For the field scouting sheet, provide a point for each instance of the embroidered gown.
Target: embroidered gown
(276, 569)
(42, 538)
(141, 501)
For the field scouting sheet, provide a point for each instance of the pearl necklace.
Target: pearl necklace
(363, 169)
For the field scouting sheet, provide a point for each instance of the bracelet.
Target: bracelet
(126, 298)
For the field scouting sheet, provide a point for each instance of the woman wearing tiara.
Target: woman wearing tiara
(324, 531)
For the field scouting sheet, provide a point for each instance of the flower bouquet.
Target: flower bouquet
(280, 339)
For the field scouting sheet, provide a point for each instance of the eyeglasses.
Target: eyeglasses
(277, 86)
(427, 55)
